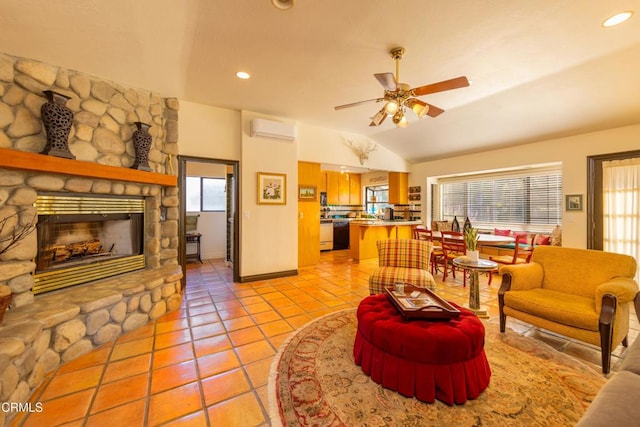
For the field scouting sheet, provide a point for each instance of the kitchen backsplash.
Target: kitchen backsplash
(341, 211)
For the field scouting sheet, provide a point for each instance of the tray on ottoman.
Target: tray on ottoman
(426, 305)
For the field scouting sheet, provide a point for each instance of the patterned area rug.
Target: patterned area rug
(314, 381)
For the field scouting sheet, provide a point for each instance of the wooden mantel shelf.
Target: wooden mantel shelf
(24, 160)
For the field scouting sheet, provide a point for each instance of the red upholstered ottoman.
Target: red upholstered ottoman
(428, 359)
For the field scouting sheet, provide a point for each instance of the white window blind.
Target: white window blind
(525, 200)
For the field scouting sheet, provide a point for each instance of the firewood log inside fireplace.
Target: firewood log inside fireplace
(77, 249)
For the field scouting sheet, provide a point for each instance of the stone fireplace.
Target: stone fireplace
(55, 317)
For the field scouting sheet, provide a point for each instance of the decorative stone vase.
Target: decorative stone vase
(473, 256)
(57, 119)
(142, 145)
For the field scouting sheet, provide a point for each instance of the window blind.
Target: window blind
(524, 200)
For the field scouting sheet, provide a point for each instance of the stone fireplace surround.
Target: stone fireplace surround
(40, 332)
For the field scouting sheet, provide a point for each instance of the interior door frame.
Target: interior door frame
(595, 200)
(182, 185)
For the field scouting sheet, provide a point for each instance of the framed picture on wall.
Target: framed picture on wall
(272, 188)
(307, 193)
(573, 202)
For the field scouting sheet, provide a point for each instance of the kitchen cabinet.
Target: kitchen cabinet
(343, 188)
(355, 190)
(398, 188)
(333, 188)
(322, 185)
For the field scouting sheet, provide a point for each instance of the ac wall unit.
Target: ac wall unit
(269, 129)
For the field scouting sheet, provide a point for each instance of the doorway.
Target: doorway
(595, 196)
(213, 186)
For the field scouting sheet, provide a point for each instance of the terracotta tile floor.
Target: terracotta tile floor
(208, 362)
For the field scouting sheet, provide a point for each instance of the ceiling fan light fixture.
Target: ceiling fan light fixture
(419, 109)
(400, 120)
(391, 107)
(283, 4)
(616, 19)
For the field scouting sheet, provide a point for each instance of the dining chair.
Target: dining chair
(436, 251)
(453, 246)
(420, 232)
(521, 251)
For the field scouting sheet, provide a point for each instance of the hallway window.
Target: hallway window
(206, 194)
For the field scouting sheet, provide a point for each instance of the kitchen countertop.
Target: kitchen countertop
(383, 223)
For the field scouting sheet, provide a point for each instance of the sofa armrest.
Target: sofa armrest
(623, 289)
(523, 276)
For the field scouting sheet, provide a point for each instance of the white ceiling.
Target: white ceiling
(539, 69)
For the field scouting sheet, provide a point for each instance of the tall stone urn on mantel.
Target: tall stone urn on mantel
(142, 145)
(57, 119)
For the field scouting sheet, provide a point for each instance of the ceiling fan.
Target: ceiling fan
(399, 96)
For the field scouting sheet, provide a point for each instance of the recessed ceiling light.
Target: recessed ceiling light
(618, 18)
(243, 75)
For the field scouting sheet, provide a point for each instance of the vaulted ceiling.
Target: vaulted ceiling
(539, 69)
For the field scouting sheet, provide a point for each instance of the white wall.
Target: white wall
(211, 132)
(269, 238)
(571, 151)
(322, 145)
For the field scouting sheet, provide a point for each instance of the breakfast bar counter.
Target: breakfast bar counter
(363, 235)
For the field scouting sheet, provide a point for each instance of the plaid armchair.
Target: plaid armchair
(402, 260)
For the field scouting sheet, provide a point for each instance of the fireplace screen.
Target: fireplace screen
(85, 238)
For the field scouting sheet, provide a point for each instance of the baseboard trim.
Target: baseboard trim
(267, 276)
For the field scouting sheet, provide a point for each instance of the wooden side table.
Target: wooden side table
(194, 238)
(474, 287)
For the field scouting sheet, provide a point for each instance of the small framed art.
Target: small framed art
(272, 188)
(307, 193)
(573, 202)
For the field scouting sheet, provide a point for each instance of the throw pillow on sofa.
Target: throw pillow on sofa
(542, 240)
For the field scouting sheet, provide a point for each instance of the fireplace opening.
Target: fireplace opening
(68, 240)
(86, 238)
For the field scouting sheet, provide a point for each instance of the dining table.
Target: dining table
(484, 239)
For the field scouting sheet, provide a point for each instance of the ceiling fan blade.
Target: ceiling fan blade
(434, 111)
(456, 83)
(378, 118)
(387, 80)
(353, 104)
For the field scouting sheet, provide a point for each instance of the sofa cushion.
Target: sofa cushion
(631, 360)
(500, 232)
(559, 307)
(615, 404)
(580, 271)
(542, 240)
(441, 225)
